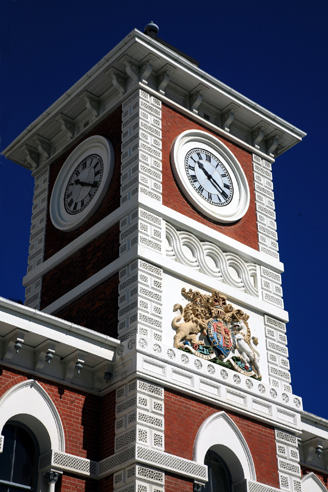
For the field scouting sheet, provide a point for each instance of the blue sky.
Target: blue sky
(274, 52)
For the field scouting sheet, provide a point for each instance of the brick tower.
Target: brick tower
(151, 352)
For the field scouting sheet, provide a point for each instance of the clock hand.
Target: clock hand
(210, 177)
(84, 183)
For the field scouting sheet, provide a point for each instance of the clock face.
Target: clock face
(82, 183)
(210, 176)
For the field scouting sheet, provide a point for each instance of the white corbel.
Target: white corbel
(44, 354)
(272, 143)
(228, 115)
(13, 343)
(92, 103)
(73, 362)
(32, 157)
(132, 71)
(44, 146)
(102, 375)
(258, 134)
(67, 125)
(196, 97)
(163, 78)
(146, 69)
(118, 80)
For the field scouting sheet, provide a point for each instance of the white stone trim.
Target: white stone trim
(178, 220)
(251, 486)
(185, 248)
(37, 237)
(288, 461)
(30, 404)
(140, 301)
(129, 457)
(221, 434)
(78, 243)
(141, 168)
(311, 483)
(264, 202)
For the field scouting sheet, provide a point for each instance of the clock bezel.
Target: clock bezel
(197, 139)
(60, 218)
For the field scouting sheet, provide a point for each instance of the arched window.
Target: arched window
(219, 478)
(18, 461)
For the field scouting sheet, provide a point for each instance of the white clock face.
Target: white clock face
(210, 176)
(82, 183)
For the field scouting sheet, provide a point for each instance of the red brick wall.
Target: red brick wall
(80, 413)
(176, 483)
(183, 417)
(80, 266)
(73, 483)
(245, 230)
(323, 477)
(111, 129)
(97, 309)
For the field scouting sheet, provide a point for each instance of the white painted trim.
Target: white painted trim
(56, 329)
(179, 220)
(92, 282)
(170, 266)
(174, 59)
(311, 483)
(30, 404)
(220, 433)
(80, 242)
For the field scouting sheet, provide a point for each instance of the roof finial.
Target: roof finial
(151, 29)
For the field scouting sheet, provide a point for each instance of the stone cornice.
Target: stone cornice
(139, 60)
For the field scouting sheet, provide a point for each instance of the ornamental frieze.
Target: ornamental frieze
(211, 329)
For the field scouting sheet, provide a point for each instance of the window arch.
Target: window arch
(218, 433)
(18, 461)
(219, 477)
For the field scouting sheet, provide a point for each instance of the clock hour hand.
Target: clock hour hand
(84, 183)
(210, 177)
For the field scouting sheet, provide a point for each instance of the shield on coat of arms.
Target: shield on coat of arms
(220, 336)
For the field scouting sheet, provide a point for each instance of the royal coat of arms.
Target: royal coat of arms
(216, 331)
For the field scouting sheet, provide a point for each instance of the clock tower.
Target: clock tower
(153, 288)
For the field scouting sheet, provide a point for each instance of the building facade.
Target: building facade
(151, 353)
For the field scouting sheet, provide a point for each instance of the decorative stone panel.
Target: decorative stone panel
(264, 200)
(37, 236)
(141, 163)
(288, 457)
(208, 258)
(140, 301)
(277, 354)
(139, 415)
(143, 228)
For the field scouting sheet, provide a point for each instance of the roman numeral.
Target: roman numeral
(200, 189)
(208, 158)
(82, 202)
(227, 186)
(224, 194)
(199, 156)
(97, 172)
(192, 168)
(194, 179)
(70, 203)
(209, 195)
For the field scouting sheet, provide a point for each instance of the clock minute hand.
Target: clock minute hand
(210, 177)
(84, 183)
